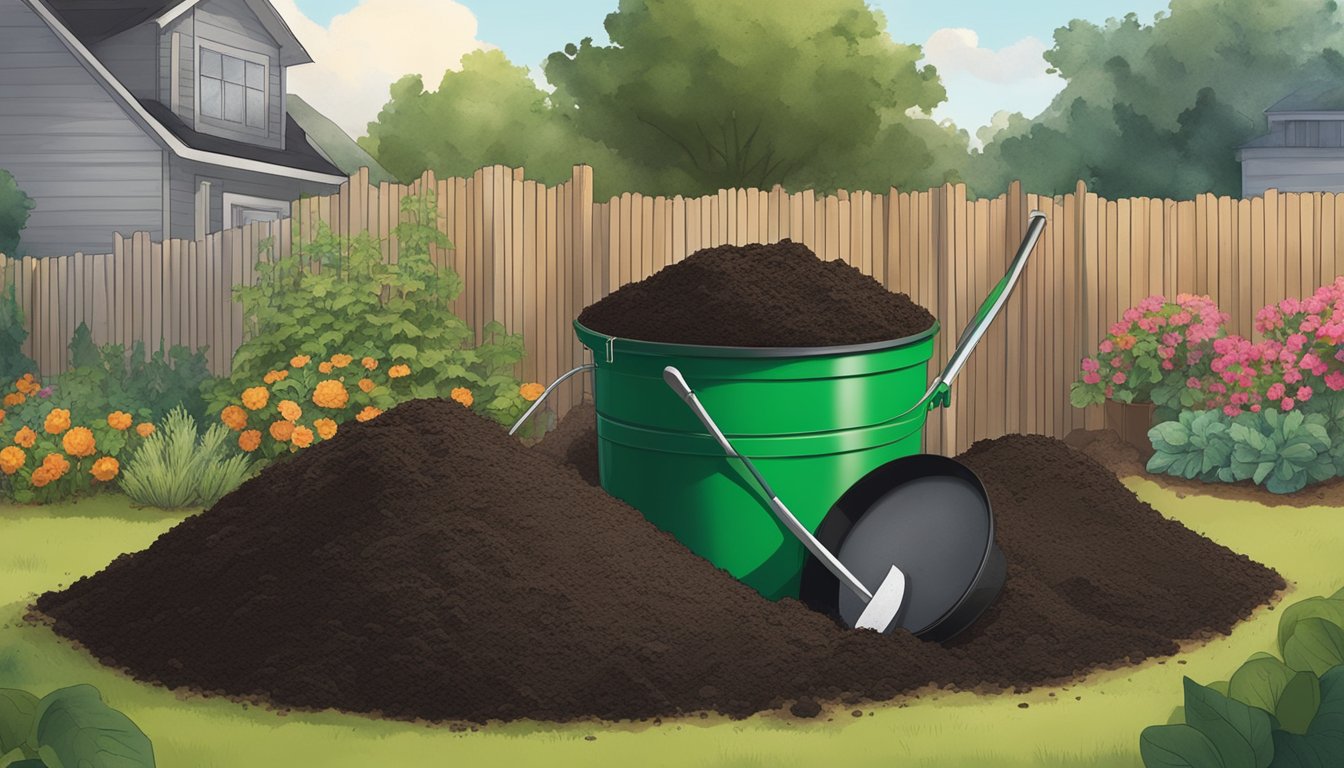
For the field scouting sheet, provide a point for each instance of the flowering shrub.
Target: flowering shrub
(305, 402)
(390, 326)
(49, 453)
(1151, 354)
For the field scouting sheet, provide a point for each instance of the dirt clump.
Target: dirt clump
(573, 442)
(774, 295)
(426, 565)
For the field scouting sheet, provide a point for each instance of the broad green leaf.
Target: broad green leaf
(1298, 453)
(402, 351)
(1298, 703)
(1241, 734)
(1160, 462)
(1177, 716)
(1177, 746)
(1316, 645)
(1259, 682)
(1329, 608)
(1292, 422)
(75, 729)
(16, 717)
(1323, 743)
(32, 762)
(1262, 471)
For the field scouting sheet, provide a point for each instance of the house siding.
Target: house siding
(233, 24)
(1292, 170)
(131, 57)
(70, 146)
(186, 73)
(186, 175)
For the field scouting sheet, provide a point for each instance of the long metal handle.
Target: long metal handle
(537, 403)
(989, 309)
(678, 384)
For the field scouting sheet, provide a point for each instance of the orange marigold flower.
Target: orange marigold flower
(273, 376)
(326, 428)
(324, 366)
(369, 413)
(369, 363)
(119, 420)
(255, 398)
(2, 416)
(14, 398)
(12, 459)
(105, 469)
(57, 421)
(366, 385)
(144, 429)
(250, 440)
(398, 371)
(41, 476)
(282, 430)
(290, 410)
(79, 442)
(234, 418)
(25, 437)
(301, 436)
(531, 391)
(463, 396)
(340, 361)
(298, 361)
(330, 394)
(56, 464)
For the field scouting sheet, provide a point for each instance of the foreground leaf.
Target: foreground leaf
(1241, 734)
(1177, 746)
(16, 718)
(1323, 744)
(1299, 702)
(1259, 682)
(76, 729)
(1316, 645)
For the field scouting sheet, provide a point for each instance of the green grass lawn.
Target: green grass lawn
(42, 548)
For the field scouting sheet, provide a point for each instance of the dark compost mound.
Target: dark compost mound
(573, 442)
(424, 564)
(776, 295)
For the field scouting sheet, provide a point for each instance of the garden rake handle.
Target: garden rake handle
(678, 384)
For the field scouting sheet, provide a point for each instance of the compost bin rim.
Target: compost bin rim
(710, 350)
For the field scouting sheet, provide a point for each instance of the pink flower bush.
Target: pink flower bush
(1155, 341)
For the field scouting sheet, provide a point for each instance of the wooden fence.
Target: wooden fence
(533, 257)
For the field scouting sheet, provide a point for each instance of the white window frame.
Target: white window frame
(264, 60)
(233, 200)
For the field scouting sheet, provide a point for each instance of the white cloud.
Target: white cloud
(364, 51)
(982, 81)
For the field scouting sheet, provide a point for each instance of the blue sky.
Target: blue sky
(987, 51)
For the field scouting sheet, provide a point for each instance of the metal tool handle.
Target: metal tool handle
(678, 384)
(537, 403)
(984, 317)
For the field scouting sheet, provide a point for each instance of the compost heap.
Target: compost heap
(776, 295)
(427, 565)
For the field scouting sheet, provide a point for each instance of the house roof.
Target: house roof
(298, 152)
(1321, 96)
(156, 128)
(93, 21)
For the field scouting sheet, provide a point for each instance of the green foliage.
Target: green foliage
(1182, 92)
(1283, 452)
(336, 295)
(1271, 713)
(14, 208)
(174, 469)
(814, 98)
(68, 728)
(13, 363)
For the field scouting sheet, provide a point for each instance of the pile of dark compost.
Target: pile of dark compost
(775, 295)
(427, 565)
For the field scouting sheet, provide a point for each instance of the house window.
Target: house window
(241, 210)
(233, 89)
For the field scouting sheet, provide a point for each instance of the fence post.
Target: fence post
(944, 223)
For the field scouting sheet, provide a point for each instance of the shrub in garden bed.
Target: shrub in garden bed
(172, 468)
(1280, 713)
(335, 332)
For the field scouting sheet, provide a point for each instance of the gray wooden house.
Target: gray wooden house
(1304, 149)
(166, 116)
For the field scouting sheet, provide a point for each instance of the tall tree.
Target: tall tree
(732, 93)
(1159, 109)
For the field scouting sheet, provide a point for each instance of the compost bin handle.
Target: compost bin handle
(537, 403)
(939, 392)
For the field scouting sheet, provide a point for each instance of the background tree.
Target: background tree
(14, 208)
(1160, 109)
(709, 94)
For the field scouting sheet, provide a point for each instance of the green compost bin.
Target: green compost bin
(814, 421)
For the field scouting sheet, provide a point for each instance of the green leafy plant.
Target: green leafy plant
(1272, 713)
(14, 208)
(1283, 452)
(68, 728)
(336, 296)
(177, 467)
(13, 363)
(107, 378)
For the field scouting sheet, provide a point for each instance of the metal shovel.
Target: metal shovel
(882, 605)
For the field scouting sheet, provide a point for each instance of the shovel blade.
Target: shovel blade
(880, 613)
